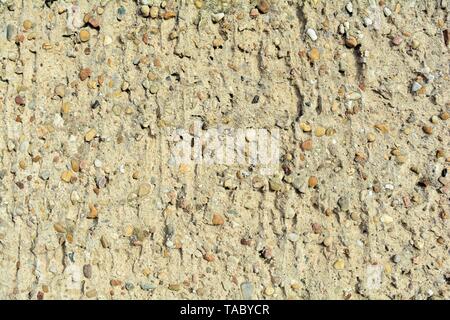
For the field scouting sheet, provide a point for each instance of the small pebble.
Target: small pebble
(145, 11)
(351, 42)
(87, 271)
(314, 55)
(27, 25)
(427, 129)
(247, 290)
(312, 182)
(59, 228)
(174, 287)
(319, 131)
(339, 264)
(328, 241)
(144, 189)
(154, 12)
(60, 90)
(368, 22)
(217, 219)
(216, 17)
(254, 13)
(311, 34)
(397, 40)
(307, 145)
(269, 291)
(93, 213)
(90, 135)
(66, 176)
(198, 4)
(91, 293)
(349, 8)
(10, 32)
(416, 86)
(386, 219)
(85, 73)
(263, 6)
(84, 35)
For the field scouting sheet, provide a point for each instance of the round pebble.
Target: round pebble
(85, 35)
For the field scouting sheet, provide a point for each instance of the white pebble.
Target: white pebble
(389, 186)
(97, 163)
(349, 7)
(293, 237)
(107, 41)
(217, 17)
(387, 11)
(386, 219)
(367, 21)
(312, 34)
(415, 86)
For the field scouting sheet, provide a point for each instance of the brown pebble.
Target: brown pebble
(444, 115)
(351, 42)
(254, 13)
(307, 145)
(317, 228)
(267, 253)
(263, 6)
(169, 15)
(246, 242)
(93, 213)
(312, 182)
(328, 212)
(94, 23)
(20, 101)
(314, 54)
(397, 40)
(59, 228)
(427, 129)
(209, 257)
(115, 282)
(85, 73)
(217, 219)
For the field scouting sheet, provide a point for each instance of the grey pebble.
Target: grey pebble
(10, 31)
(87, 271)
(100, 181)
(344, 203)
(415, 86)
(44, 175)
(396, 258)
(147, 286)
(247, 290)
